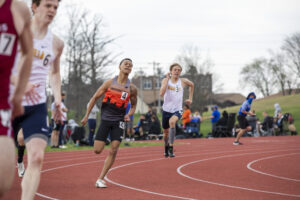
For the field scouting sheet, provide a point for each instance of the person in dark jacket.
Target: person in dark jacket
(223, 120)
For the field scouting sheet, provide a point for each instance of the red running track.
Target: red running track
(209, 169)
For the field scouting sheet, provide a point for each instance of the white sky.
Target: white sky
(230, 32)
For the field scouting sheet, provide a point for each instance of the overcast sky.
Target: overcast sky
(231, 32)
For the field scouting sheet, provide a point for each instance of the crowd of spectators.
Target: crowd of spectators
(149, 126)
(279, 124)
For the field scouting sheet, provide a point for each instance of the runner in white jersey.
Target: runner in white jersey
(43, 58)
(47, 51)
(173, 97)
(172, 91)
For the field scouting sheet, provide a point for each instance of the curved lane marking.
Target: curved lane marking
(84, 163)
(267, 174)
(161, 194)
(226, 185)
(46, 197)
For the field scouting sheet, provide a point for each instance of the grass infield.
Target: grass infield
(124, 144)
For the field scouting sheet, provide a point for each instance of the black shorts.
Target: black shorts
(114, 128)
(243, 123)
(166, 116)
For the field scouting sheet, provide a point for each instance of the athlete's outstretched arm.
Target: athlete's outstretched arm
(133, 101)
(26, 43)
(101, 90)
(55, 79)
(191, 90)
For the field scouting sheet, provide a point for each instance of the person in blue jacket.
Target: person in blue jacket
(243, 123)
(214, 118)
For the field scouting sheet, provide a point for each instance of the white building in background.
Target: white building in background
(141, 106)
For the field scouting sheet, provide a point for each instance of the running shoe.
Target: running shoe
(237, 143)
(100, 184)
(166, 154)
(171, 154)
(21, 169)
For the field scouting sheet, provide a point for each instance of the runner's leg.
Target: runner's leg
(7, 163)
(35, 152)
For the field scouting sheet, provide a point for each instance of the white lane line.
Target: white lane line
(129, 157)
(46, 197)
(84, 163)
(146, 191)
(84, 153)
(124, 158)
(127, 154)
(231, 186)
(161, 194)
(267, 174)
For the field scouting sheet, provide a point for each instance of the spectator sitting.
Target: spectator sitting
(142, 127)
(155, 129)
(138, 126)
(292, 127)
(186, 116)
(221, 126)
(279, 122)
(252, 120)
(196, 118)
(266, 123)
(223, 120)
(149, 114)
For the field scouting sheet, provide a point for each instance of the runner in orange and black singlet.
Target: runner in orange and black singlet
(117, 93)
(113, 111)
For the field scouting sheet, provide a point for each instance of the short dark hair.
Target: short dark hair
(38, 2)
(187, 106)
(174, 65)
(124, 60)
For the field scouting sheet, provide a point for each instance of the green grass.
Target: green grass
(72, 147)
(288, 104)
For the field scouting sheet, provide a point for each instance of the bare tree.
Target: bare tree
(190, 57)
(75, 55)
(257, 75)
(277, 67)
(97, 56)
(197, 70)
(291, 47)
(87, 58)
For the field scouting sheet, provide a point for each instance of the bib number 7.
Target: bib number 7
(7, 42)
(5, 117)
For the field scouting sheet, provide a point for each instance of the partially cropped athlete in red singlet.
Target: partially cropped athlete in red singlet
(14, 29)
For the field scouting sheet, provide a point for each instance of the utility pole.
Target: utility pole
(154, 79)
(141, 73)
(159, 100)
